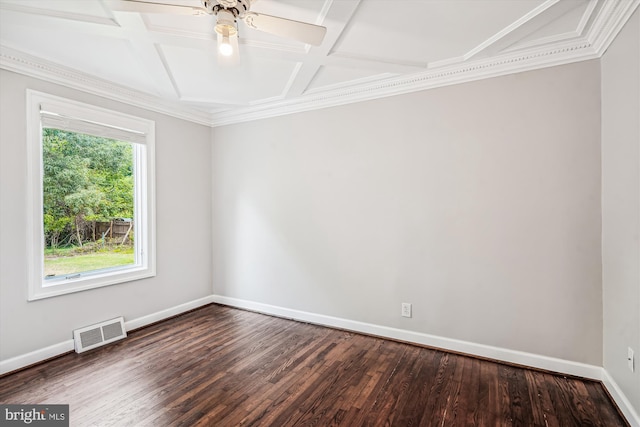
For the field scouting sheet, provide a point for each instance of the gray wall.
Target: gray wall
(478, 203)
(621, 206)
(183, 185)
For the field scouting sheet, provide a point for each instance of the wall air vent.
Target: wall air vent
(99, 334)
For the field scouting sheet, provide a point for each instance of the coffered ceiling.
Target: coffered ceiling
(372, 48)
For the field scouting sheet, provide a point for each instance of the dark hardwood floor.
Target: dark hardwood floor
(219, 366)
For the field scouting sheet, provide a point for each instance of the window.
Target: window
(91, 199)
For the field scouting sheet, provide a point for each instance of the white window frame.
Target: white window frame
(109, 124)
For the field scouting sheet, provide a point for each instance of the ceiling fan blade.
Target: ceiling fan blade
(301, 31)
(151, 7)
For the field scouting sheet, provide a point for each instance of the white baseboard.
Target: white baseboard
(169, 312)
(36, 356)
(497, 353)
(621, 400)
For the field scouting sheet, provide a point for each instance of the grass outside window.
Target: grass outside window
(65, 261)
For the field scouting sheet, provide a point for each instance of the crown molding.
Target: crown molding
(22, 63)
(606, 25)
(446, 76)
(609, 22)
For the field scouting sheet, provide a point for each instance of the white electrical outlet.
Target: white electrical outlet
(406, 309)
(630, 358)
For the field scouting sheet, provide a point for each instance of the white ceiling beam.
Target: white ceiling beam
(149, 55)
(13, 16)
(51, 13)
(337, 15)
(530, 22)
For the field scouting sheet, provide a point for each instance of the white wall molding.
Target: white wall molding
(54, 350)
(621, 400)
(607, 23)
(564, 53)
(502, 354)
(165, 314)
(20, 62)
(36, 356)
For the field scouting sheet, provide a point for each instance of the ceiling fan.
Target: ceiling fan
(227, 12)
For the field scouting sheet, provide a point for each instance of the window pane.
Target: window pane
(91, 198)
(88, 203)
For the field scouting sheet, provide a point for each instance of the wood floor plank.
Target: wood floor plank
(219, 366)
(436, 407)
(420, 388)
(467, 406)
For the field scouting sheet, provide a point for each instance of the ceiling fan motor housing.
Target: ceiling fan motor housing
(228, 3)
(238, 8)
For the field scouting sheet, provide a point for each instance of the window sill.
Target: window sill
(89, 281)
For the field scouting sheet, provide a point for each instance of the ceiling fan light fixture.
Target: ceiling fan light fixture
(227, 13)
(225, 30)
(225, 47)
